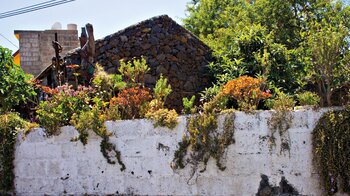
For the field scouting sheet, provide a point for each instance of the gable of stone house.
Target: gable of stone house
(169, 49)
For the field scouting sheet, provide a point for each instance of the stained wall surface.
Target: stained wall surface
(55, 165)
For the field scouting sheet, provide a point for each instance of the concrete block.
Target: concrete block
(47, 151)
(36, 135)
(27, 168)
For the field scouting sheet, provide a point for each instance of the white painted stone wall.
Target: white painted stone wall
(56, 166)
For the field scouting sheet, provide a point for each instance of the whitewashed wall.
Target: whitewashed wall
(56, 166)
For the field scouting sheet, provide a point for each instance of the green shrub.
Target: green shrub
(14, 84)
(188, 105)
(161, 91)
(209, 93)
(163, 117)
(64, 102)
(92, 119)
(107, 85)
(134, 71)
(330, 141)
(113, 112)
(283, 102)
(308, 98)
(10, 124)
(156, 111)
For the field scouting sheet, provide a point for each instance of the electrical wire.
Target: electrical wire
(28, 7)
(32, 8)
(9, 40)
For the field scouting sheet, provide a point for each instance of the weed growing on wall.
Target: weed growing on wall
(164, 117)
(156, 111)
(203, 139)
(110, 152)
(10, 124)
(331, 150)
(281, 120)
(188, 105)
(94, 120)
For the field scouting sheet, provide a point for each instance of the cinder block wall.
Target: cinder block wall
(56, 166)
(36, 49)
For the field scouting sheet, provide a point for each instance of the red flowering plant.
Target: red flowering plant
(132, 102)
(247, 91)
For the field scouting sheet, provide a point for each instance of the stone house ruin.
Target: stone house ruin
(169, 49)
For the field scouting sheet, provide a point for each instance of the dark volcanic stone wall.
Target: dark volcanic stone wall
(168, 48)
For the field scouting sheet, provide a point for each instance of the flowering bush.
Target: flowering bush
(107, 85)
(247, 91)
(60, 105)
(132, 102)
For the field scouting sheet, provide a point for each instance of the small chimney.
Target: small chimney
(71, 27)
(83, 37)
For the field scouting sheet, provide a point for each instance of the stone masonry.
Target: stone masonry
(36, 49)
(168, 48)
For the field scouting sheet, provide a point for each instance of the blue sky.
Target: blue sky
(107, 16)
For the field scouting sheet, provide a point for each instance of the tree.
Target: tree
(267, 37)
(250, 37)
(327, 52)
(14, 84)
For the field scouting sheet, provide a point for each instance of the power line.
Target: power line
(9, 40)
(32, 8)
(28, 7)
(23, 10)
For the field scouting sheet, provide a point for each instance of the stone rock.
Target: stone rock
(156, 29)
(149, 79)
(146, 30)
(153, 41)
(188, 86)
(124, 38)
(160, 57)
(146, 46)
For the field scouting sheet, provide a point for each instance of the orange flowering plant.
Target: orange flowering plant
(247, 91)
(132, 101)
